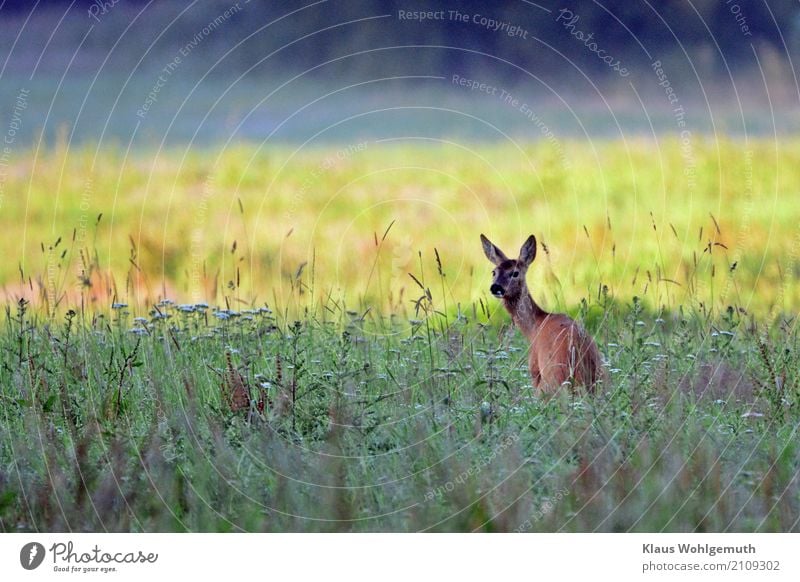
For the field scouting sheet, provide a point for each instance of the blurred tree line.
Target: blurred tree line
(709, 32)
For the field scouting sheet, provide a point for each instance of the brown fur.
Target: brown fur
(561, 350)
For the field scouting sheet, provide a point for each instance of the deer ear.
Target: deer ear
(495, 255)
(528, 251)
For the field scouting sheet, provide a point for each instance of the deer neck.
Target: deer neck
(525, 313)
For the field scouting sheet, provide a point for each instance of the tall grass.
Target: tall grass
(336, 366)
(206, 419)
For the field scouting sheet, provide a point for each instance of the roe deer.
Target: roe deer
(561, 350)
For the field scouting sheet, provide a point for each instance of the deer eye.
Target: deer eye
(515, 274)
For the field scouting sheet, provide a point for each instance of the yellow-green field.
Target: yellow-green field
(663, 220)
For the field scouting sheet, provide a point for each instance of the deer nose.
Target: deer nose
(496, 290)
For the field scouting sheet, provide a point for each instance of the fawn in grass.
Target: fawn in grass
(561, 351)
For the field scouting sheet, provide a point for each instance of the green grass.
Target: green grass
(325, 389)
(352, 423)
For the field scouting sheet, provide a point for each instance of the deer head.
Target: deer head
(508, 276)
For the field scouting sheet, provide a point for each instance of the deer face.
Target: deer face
(508, 276)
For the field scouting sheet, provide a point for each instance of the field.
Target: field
(278, 340)
(711, 222)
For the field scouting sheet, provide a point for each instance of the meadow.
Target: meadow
(302, 340)
(709, 221)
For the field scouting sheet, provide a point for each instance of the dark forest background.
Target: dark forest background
(706, 30)
(709, 56)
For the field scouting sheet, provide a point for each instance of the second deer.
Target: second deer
(562, 353)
